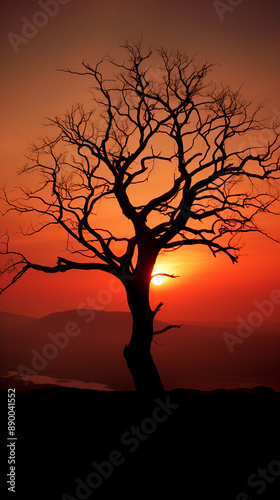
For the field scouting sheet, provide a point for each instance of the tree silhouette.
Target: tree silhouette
(175, 123)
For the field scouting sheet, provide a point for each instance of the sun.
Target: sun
(157, 280)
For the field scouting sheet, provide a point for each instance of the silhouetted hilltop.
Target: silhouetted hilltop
(185, 444)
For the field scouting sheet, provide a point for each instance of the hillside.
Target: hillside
(194, 356)
(206, 445)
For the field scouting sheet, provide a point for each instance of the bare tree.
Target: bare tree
(181, 127)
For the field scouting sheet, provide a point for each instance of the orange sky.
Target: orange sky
(243, 41)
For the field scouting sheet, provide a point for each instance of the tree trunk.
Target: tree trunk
(138, 352)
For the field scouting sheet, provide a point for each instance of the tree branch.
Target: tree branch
(166, 328)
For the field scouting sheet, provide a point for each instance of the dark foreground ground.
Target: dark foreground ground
(187, 444)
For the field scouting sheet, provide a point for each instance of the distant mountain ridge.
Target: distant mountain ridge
(88, 345)
(11, 318)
